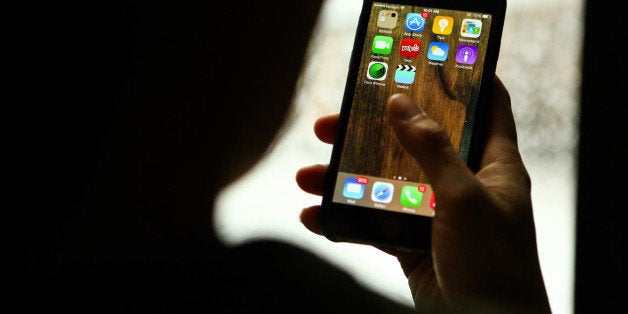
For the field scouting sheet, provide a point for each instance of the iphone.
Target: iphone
(443, 54)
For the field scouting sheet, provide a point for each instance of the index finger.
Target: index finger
(325, 128)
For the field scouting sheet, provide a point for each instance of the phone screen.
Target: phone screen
(436, 56)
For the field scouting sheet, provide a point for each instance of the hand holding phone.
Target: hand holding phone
(483, 239)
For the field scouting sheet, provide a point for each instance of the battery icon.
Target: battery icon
(485, 16)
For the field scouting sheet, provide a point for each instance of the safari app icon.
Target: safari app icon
(382, 192)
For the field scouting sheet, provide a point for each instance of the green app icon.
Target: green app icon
(377, 71)
(382, 44)
(410, 196)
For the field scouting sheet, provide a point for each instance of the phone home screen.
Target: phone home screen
(436, 56)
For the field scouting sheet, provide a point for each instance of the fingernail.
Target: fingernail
(403, 108)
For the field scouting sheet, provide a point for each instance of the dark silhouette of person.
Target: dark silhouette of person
(134, 116)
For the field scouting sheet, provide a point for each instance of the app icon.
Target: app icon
(471, 28)
(443, 25)
(353, 189)
(382, 192)
(382, 44)
(432, 202)
(410, 196)
(409, 48)
(405, 74)
(377, 71)
(437, 51)
(466, 54)
(387, 19)
(415, 22)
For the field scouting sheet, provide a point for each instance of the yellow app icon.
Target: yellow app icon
(443, 25)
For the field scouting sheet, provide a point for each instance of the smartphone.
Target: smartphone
(443, 53)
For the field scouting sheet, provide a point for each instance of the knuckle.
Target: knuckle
(431, 133)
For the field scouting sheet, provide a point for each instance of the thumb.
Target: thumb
(430, 145)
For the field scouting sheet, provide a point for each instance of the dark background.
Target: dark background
(600, 233)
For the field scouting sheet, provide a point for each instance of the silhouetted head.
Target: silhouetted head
(141, 112)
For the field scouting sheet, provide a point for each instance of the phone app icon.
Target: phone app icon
(405, 74)
(471, 28)
(382, 192)
(443, 25)
(437, 51)
(377, 71)
(415, 22)
(353, 188)
(410, 196)
(387, 19)
(466, 54)
(432, 202)
(382, 44)
(409, 48)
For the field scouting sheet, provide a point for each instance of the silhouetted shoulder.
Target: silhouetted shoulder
(290, 279)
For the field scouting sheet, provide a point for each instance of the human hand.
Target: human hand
(484, 256)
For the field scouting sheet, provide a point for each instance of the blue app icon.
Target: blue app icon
(414, 22)
(405, 74)
(382, 192)
(353, 189)
(437, 51)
